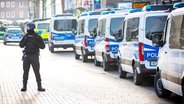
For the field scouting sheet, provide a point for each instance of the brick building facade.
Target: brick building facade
(19, 9)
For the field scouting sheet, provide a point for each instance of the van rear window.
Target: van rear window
(43, 26)
(65, 25)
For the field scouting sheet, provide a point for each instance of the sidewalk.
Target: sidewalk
(11, 83)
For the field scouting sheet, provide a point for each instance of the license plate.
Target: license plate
(153, 63)
(15, 37)
(59, 41)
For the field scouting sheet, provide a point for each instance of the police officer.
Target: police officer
(31, 43)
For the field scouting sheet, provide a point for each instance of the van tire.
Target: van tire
(122, 74)
(182, 92)
(84, 57)
(105, 64)
(97, 63)
(76, 55)
(159, 90)
(4, 43)
(51, 49)
(137, 77)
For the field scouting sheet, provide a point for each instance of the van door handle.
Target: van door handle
(124, 44)
(165, 52)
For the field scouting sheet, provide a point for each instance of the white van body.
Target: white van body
(106, 45)
(61, 31)
(136, 53)
(84, 40)
(170, 68)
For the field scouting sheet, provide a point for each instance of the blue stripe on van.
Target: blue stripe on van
(150, 52)
(63, 36)
(90, 41)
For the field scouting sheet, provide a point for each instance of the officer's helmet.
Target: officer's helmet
(30, 26)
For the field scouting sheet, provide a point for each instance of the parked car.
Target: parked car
(170, 69)
(136, 53)
(13, 35)
(2, 31)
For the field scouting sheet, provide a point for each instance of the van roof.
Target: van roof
(150, 12)
(112, 15)
(179, 11)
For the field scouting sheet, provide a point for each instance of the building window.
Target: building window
(13, 4)
(2, 14)
(13, 14)
(21, 14)
(7, 4)
(2, 4)
(31, 4)
(21, 4)
(7, 14)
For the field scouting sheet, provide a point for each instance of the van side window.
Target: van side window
(116, 26)
(81, 27)
(92, 24)
(101, 28)
(182, 34)
(167, 31)
(154, 24)
(132, 29)
(176, 33)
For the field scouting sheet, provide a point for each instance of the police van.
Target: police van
(42, 28)
(170, 69)
(84, 40)
(107, 41)
(136, 53)
(62, 31)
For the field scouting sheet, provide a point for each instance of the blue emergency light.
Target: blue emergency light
(178, 5)
(135, 10)
(105, 12)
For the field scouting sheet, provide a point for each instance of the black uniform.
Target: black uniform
(31, 43)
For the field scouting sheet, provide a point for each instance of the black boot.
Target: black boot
(24, 88)
(40, 87)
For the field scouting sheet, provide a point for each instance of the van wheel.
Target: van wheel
(137, 77)
(51, 49)
(122, 74)
(183, 93)
(76, 55)
(97, 63)
(105, 64)
(159, 89)
(4, 43)
(84, 57)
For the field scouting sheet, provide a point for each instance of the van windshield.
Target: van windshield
(116, 25)
(65, 25)
(92, 24)
(155, 24)
(43, 25)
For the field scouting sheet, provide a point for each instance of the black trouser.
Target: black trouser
(31, 59)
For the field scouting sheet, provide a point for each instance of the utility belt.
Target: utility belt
(31, 51)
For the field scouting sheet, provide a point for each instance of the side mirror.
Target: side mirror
(93, 33)
(156, 39)
(74, 31)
